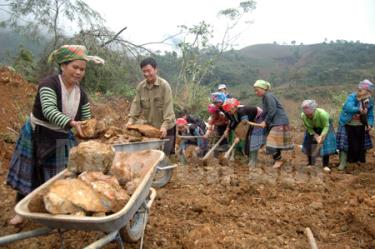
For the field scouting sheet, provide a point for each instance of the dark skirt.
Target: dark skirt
(39, 155)
(329, 144)
(354, 140)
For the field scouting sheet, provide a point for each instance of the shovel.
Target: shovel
(227, 154)
(316, 150)
(213, 148)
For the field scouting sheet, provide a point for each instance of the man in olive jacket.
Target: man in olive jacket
(154, 102)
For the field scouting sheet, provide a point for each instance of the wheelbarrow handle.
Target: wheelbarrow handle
(152, 198)
(190, 137)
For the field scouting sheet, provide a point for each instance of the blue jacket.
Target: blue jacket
(351, 107)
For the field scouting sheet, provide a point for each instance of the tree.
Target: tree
(198, 56)
(36, 17)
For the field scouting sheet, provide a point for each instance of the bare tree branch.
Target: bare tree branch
(162, 41)
(114, 37)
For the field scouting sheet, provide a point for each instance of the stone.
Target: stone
(108, 188)
(88, 128)
(124, 169)
(132, 185)
(90, 156)
(36, 204)
(146, 130)
(71, 196)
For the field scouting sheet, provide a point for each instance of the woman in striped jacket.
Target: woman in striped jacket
(45, 140)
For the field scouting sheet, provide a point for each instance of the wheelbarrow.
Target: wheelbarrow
(164, 170)
(127, 224)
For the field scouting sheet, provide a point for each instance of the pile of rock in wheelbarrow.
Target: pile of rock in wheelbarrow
(99, 181)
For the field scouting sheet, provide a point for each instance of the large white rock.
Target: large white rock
(70, 196)
(90, 156)
(108, 188)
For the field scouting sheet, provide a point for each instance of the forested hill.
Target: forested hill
(318, 64)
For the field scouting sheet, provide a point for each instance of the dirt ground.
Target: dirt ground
(229, 205)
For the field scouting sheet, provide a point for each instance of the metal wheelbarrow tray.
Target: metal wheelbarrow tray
(108, 224)
(164, 169)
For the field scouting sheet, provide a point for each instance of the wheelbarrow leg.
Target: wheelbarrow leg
(61, 233)
(103, 241)
(119, 241)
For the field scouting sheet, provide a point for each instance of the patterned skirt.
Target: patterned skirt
(329, 144)
(279, 138)
(343, 143)
(23, 174)
(257, 137)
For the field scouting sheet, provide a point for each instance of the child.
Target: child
(275, 121)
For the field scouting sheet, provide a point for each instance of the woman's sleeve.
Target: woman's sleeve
(48, 100)
(270, 106)
(350, 106)
(370, 114)
(85, 108)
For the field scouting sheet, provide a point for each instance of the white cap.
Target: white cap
(222, 86)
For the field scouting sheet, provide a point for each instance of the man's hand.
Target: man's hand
(163, 132)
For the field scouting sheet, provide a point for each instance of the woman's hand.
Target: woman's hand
(77, 126)
(236, 140)
(208, 133)
(263, 124)
(226, 133)
(363, 110)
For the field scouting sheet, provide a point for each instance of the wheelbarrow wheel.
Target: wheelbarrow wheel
(162, 177)
(134, 230)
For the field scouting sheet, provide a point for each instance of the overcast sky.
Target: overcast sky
(306, 21)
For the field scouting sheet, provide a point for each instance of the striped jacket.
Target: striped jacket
(48, 103)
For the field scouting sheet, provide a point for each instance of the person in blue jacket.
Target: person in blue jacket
(355, 121)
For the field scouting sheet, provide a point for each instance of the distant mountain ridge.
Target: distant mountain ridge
(325, 63)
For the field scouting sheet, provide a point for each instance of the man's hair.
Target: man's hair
(148, 61)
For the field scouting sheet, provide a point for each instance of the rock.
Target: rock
(90, 156)
(132, 185)
(146, 130)
(107, 187)
(123, 169)
(133, 133)
(70, 196)
(89, 128)
(316, 205)
(112, 132)
(36, 204)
